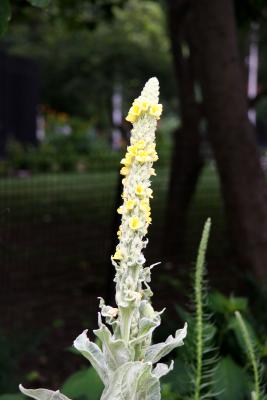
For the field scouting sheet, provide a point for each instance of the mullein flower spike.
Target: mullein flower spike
(127, 361)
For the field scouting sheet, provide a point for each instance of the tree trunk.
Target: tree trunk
(186, 161)
(231, 135)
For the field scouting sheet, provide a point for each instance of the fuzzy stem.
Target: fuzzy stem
(198, 292)
(251, 355)
(126, 319)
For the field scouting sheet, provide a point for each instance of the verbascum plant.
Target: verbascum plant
(126, 360)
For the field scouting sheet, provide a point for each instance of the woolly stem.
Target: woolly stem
(198, 297)
(251, 355)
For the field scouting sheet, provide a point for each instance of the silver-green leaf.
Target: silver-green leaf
(93, 353)
(43, 394)
(162, 369)
(114, 350)
(133, 381)
(157, 351)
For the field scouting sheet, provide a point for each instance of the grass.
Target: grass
(56, 229)
(44, 202)
(55, 247)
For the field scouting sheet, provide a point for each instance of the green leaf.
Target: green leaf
(230, 381)
(84, 384)
(5, 15)
(225, 305)
(39, 3)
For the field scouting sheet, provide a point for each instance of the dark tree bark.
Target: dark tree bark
(231, 135)
(186, 161)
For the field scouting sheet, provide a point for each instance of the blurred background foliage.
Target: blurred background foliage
(136, 36)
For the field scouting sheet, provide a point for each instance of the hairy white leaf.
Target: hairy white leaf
(146, 327)
(93, 353)
(114, 350)
(133, 381)
(157, 351)
(162, 369)
(43, 394)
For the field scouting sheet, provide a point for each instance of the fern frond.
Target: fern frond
(252, 357)
(198, 299)
(206, 357)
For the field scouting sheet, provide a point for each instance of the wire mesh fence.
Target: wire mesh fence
(57, 236)
(57, 233)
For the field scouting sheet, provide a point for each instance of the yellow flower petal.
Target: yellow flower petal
(132, 150)
(144, 105)
(131, 118)
(144, 205)
(156, 110)
(135, 109)
(139, 190)
(134, 223)
(117, 255)
(119, 233)
(124, 171)
(148, 219)
(143, 156)
(130, 204)
(140, 144)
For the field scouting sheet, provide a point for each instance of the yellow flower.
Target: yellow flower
(156, 110)
(153, 172)
(139, 190)
(127, 160)
(130, 204)
(134, 112)
(119, 233)
(120, 210)
(143, 156)
(155, 156)
(132, 150)
(148, 219)
(131, 118)
(135, 109)
(144, 205)
(117, 255)
(140, 144)
(124, 171)
(134, 223)
(144, 105)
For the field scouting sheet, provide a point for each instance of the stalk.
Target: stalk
(198, 289)
(127, 361)
(251, 356)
